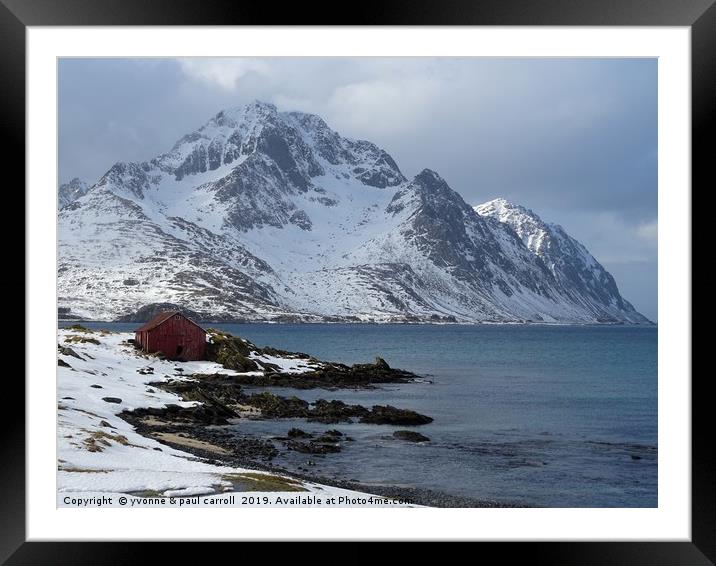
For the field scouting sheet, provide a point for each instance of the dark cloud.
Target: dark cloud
(573, 139)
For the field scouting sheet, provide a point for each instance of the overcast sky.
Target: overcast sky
(573, 139)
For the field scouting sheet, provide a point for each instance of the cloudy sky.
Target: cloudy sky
(573, 139)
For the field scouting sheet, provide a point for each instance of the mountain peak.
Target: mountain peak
(259, 109)
(71, 191)
(233, 116)
(256, 103)
(508, 212)
(568, 260)
(503, 204)
(429, 176)
(253, 106)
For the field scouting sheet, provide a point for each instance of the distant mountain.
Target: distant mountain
(267, 215)
(575, 269)
(71, 191)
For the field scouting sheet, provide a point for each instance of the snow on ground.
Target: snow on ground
(101, 455)
(286, 365)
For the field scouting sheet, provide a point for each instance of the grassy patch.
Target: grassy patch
(83, 470)
(80, 328)
(98, 440)
(262, 482)
(182, 439)
(229, 351)
(77, 339)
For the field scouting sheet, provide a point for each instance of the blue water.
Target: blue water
(558, 416)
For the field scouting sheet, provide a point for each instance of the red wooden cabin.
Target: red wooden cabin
(174, 335)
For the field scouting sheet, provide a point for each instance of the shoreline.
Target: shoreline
(383, 323)
(106, 440)
(418, 496)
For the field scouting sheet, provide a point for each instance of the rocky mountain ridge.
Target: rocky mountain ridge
(268, 215)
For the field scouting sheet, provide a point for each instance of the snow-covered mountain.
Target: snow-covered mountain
(261, 214)
(576, 270)
(71, 191)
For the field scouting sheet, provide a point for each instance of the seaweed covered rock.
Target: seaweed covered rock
(273, 406)
(358, 375)
(313, 447)
(410, 436)
(238, 354)
(334, 411)
(387, 414)
(297, 433)
(173, 415)
(230, 351)
(268, 351)
(216, 390)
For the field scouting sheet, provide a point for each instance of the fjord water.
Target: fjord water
(557, 416)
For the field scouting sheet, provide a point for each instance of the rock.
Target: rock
(327, 439)
(339, 375)
(111, 399)
(297, 433)
(387, 414)
(333, 432)
(273, 406)
(410, 436)
(69, 398)
(96, 386)
(67, 351)
(63, 364)
(334, 411)
(199, 414)
(105, 424)
(312, 447)
(234, 353)
(230, 351)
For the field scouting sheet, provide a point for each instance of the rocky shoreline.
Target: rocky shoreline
(203, 429)
(251, 453)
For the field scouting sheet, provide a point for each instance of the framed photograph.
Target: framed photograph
(428, 277)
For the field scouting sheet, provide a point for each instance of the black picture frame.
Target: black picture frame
(699, 15)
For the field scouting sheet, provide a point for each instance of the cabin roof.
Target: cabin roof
(161, 318)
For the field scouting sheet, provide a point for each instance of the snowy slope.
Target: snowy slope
(261, 214)
(583, 278)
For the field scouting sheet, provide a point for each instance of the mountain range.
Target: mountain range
(268, 215)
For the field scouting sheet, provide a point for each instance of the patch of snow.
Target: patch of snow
(286, 365)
